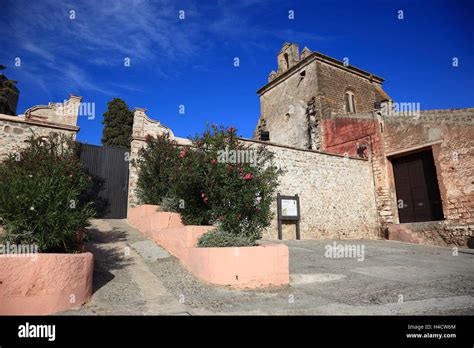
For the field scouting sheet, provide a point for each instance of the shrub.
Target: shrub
(209, 183)
(223, 239)
(156, 165)
(232, 183)
(40, 195)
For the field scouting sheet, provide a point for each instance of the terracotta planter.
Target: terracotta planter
(44, 283)
(239, 267)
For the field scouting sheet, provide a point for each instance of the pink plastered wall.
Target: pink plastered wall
(239, 267)
(44, 283)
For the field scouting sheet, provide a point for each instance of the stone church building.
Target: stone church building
(421, 160)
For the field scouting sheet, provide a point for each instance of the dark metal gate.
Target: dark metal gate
(108, 168)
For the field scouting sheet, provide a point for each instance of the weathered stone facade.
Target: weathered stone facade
(39, 120)
(310, 88)
(336, 194)
(374, 132)
(450, 136)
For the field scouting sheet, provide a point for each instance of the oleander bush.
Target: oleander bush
(157, 164)
(217, 180)
(41, 195)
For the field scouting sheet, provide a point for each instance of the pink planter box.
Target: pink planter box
(146, 218)
(49, 284)
(239, 267)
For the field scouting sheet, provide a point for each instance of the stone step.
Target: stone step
(417, 232)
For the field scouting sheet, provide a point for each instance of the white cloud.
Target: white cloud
(104, 32)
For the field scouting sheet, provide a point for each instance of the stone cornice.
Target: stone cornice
(299, 148)
(322, 58)
(35, 122)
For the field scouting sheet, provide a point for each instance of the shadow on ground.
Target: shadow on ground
(106, 259)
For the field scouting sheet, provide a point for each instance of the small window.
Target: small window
(349, 101)
(265, 136)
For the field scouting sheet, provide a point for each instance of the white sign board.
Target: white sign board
(289, 207)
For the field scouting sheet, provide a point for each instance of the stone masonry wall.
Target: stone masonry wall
(40, 120)
(293, 103)
(360, 135)
(283, 107)
(450, 135)
(334, 82)
(336, 194)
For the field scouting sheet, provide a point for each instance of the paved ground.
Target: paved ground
(134, 276)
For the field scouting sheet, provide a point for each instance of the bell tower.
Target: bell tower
(289, 56)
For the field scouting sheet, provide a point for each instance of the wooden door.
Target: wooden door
(418, 197)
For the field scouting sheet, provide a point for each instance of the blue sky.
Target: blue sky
(190, 62)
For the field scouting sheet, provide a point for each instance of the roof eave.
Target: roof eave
(321, 57)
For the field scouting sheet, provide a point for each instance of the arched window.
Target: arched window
(349, 100)
(287, 61)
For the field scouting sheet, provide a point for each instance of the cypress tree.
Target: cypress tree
(8, 95)
(118, 123)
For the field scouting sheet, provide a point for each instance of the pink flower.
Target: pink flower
(213, 161)
(231, 129)
(227, 140)
(204, 198)
(182, 153)
(248, 176)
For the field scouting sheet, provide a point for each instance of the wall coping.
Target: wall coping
(22, 119)
(445, 111)
(397, 116)
(188, 142)
(179, 140)
(301, 149)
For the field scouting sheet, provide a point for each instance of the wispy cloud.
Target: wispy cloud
(32, 48)
(68, 39)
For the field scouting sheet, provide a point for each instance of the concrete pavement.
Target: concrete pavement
(135, 276)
